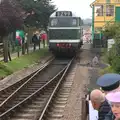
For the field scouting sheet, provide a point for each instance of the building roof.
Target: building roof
(94, 3)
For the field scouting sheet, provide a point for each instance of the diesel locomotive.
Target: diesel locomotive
(65, 32)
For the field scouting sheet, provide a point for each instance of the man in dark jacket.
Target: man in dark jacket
(100, 104)
(36, 40)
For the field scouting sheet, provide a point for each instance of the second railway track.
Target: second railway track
(6, 92)
(28, 92)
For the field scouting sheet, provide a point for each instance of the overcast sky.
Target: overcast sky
(80, 7)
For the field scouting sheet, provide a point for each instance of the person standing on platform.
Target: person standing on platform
(43, 37)
(109, 83)
(100, 104)
(114, 99)
(35, 39)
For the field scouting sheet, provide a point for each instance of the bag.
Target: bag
(18, 40)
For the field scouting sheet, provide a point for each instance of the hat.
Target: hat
(113, 97)
(109, 82)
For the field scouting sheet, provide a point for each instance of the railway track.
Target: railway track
(5, 93)
(31, 97)
(54, 109)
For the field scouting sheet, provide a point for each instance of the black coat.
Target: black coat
(35, 39)
(104, 111)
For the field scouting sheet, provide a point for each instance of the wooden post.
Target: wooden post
(5, 49)
(18, 51)
(13, 40)
(84, 110)
(28, 40)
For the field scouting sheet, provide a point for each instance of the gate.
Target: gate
(99, 41)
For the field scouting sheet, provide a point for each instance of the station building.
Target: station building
(104, 12)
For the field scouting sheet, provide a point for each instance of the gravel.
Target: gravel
(85, 77)
(81, 80)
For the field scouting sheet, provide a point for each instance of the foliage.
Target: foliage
(111, 30)
(11, 16)
(108, 69)
(22, 62)
(113, 55)
(38, 12)
(14, 13)
(116, 64)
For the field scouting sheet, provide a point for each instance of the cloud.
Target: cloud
(80, 8)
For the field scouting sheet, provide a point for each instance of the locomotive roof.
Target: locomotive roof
(54, 14)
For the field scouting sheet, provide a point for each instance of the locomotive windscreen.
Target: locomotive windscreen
(64, 34)
(64, 22)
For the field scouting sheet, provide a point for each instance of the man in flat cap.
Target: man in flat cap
(109, 82)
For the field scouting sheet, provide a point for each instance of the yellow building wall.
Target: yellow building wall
(99, 24)
(100, 21)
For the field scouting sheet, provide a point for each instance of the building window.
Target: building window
(109, 10)
(117, 1)
(99, 10)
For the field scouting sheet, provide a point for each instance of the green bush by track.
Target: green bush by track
(21, 62)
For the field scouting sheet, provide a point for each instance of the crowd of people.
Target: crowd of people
(37, 38)
(106, 100)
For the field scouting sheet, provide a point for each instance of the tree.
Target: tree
(11, 18)
(111, 30)
(38, 11)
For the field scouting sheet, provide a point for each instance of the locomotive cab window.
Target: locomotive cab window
(64, 22)
(74, 22)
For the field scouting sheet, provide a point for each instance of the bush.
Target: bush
(116, 64)
(113, 55)
(109, 69)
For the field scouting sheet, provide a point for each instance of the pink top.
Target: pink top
(44, 36)
(113, 96)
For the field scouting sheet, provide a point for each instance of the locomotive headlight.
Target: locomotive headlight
(54, 22)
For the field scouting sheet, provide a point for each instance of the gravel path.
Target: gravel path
(17, 76)
(81, 80)
(85, 77)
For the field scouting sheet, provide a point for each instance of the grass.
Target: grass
(21, 62)
(106, 70)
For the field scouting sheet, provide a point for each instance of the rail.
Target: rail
(8, 90)
(23, 85)
(36, 93)
(55, 90)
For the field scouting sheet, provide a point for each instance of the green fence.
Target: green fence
(99, 41)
